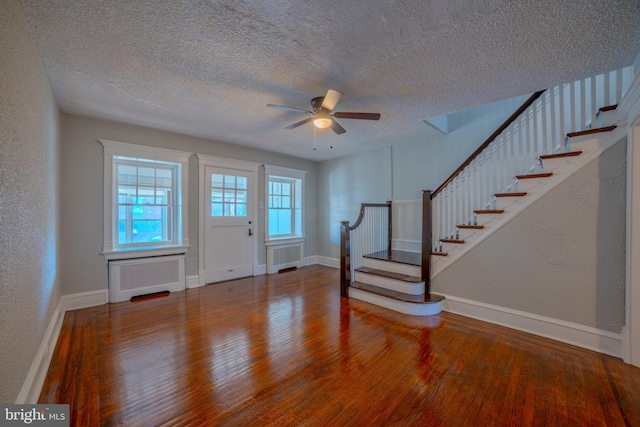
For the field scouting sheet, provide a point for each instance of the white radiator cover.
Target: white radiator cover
(284, 255)
(128, 278)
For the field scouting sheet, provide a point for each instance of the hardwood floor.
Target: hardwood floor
(287, 350)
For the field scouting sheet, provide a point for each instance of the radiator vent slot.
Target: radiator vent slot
(132, 277)
(284, 256)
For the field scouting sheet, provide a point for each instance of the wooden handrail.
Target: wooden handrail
(488, 141)
(345, 244)
(363, 206)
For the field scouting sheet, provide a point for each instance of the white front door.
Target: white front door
(229, 224)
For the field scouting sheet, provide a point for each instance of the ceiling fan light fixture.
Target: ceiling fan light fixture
(322, 122)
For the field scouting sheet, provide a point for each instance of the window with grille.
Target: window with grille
(284, 193)
(228, 195)
(145, 201)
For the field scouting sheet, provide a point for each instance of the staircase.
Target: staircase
(524, 159)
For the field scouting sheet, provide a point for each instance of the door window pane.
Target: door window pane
(228, 195)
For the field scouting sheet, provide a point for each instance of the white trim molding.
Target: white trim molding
(84, 300)
(193, 281)
(328, 262)
(180, 160)
(32, 386)
(629, 108)
(567, 332)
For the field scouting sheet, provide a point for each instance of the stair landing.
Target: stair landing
(402, 257)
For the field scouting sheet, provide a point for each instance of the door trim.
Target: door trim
(205, 160)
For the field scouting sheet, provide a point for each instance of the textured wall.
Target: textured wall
(28, 189)
(563, 257)
(83, 267)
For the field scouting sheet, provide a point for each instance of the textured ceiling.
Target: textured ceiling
(208, 68)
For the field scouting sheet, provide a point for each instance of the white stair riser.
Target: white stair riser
(469, 233)
(409, 270)
(485, 219)
(395, 305)
(392, 284)
(505, 202)
(559, 164)
(449, 247)
(524, 185)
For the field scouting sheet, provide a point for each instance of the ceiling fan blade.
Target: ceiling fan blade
(297, 110)
(331, 99)
(360, 116)
(300, 123)
(337, 128)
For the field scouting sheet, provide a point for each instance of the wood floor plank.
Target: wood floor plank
(285, 349)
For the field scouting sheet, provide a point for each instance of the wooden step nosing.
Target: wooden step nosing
(460, 241)
(489, 211)
(470, 227)
(591, 131)
(608, 108)
(535, 175)
(560, 155)
(394, 295)
(439, 253)
(521, 194)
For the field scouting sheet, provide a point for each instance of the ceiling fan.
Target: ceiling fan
(322, 117)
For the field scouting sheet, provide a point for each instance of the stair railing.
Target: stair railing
(538, 127)
(369, 234)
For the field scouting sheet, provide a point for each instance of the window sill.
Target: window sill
(284, 241)
(147, 251)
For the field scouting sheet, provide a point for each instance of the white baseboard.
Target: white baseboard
(32, 386)
(193, 281)
(567, 332)
(260, 270)
(328, 262)
(84, 299)
(311, 260)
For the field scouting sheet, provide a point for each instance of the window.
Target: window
(284, 193)
(228, 195)
(144, 201)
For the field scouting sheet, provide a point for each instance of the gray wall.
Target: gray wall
(81, 176)
(563, 257)
(29, 290)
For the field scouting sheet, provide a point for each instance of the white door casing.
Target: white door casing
(227, 243)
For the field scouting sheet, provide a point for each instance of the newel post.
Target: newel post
(426, 240)
(345, 259)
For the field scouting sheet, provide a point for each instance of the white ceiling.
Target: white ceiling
(208, 68)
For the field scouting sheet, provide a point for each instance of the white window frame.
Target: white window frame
(297, 176)
(180, 159)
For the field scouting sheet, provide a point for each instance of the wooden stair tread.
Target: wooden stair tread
(439, 253)
(591, 131)
(489, 211)
(399, 296)
(560, 155)
(535, 175)
(452, 240)
(473, 227)
(389, 274)
(608, 108)
(510, 194)
(401, 257)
